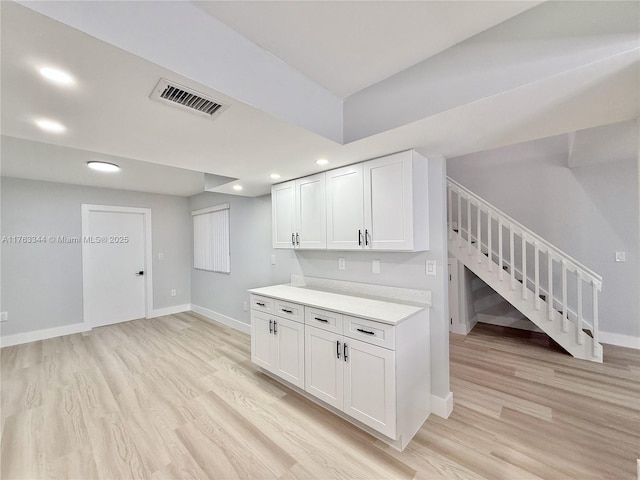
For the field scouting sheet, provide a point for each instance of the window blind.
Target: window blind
(211, 239)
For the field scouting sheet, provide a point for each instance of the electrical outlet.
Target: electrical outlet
(273, 259)
(375, 266)
(4, 316)
(173, 293)
(342, 263)
(430, 267)
(621, 256)
(161, 256)
(245, 306)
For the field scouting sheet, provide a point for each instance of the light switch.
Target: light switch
(342, 264)
(161, 256)
(375, 266)
(430, 267)
(621, 256)
(273, 259)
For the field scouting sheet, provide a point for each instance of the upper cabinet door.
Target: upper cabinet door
(283, 210)
(311, 214)
(388, 202)
(345, 208)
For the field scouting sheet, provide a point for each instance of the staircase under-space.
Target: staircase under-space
(557, 293)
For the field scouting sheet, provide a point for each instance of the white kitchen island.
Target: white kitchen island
(361, 351)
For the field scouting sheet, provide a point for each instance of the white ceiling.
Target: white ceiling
(109, 113)
(52, 163)
(347, 46)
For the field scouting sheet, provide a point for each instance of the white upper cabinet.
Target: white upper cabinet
(345, 208)
(283, 210)
(311, 217)
(396, 208)
(381, 204)
(298, 213)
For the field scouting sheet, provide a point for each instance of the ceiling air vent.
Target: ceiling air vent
(186, 98)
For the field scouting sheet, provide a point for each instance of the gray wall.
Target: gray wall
(42, 283)
(250, 250)
(588, 211)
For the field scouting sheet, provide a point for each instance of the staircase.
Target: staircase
(557, 293)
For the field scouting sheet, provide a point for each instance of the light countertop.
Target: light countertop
(384, 311)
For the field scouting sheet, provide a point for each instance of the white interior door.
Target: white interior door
(115, 272)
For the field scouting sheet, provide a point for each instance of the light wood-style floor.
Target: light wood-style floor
(177, 397)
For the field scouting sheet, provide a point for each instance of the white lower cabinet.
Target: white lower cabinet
(277, 345)
(370, 386)
(352, 376)
(374, 373)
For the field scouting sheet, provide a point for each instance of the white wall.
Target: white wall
(42, 284)
(589, 211)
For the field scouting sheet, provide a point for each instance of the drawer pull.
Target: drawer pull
(260, 303)
(366, 331)
(321, 319)
(286, 311)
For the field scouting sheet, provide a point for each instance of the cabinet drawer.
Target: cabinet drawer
(262, 304)
(289, 310)
(370, 332)
(324, 319)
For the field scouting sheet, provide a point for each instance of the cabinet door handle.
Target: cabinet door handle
(275, 328)
(359, 238)
(297, 239)
(366, 236)
(270, 326)
(293, 239)
(286, 311)
(338, 349)
(260, 303)
(345, 352)
(321, 320)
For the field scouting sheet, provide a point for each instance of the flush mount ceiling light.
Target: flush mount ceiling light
(56, 76)
(103, 166)
(50, 125)
(237, 188)
(275, 176)
(322, 161)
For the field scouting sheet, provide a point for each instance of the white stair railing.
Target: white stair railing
(564, 275)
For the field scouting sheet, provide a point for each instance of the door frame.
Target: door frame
(86, 209)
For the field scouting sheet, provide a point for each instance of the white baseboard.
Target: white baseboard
(619, 339)
(442, 406)
(462, 328)
(220, 318)
(20, 338)
(161, 312)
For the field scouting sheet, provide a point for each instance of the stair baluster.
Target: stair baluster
(560, 323)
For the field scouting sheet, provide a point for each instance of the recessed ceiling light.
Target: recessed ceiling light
(50, 125)
(322, 161)
(275, 176)
(237, 188)
(57, 76)
(103, 166)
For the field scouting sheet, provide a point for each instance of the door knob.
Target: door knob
(140, 273)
